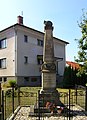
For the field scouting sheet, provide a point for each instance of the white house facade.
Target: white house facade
(21, 50)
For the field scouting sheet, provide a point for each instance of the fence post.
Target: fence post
(86, 99)
(5, 102)
(76, 94)
(38, 104)
(13, 99)
(18, 95)
(69, 103)
(3, 105)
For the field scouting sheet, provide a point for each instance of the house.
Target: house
(21, 50)
(73, 65)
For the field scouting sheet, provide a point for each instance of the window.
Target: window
(0, 79)
(5, 79)
(25, 59)
(26, 78)
(3, 63)
(25, 38)
(3, 43)
(34, 79)
(39, 42)
(40, 59)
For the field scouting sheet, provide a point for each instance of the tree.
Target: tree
(67, 82)
(82, 46)
(69, 77)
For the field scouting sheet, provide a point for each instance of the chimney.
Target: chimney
(20, 20)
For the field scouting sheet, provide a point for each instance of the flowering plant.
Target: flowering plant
(53, 108)
(59, 109)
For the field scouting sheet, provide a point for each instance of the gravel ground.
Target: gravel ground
(23, 114)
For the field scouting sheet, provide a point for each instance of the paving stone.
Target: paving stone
(23, 114)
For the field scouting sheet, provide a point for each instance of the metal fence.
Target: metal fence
(26, 97)
(76, 96)
(12, 98)
(81, 96)
(63, 110)
(9, 102)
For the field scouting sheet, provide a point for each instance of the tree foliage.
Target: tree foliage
(69, 78)
(82, 46)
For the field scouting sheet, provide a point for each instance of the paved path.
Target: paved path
(23, 114)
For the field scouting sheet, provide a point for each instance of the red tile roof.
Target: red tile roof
(73, 64)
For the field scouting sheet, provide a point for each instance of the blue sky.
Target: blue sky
(63, 13)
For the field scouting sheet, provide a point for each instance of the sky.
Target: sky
(64, 15)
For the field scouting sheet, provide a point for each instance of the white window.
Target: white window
(3, 63)
(3, 43)
(25, 59)
(39, 42)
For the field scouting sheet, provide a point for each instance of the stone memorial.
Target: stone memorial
(48, 95)
(48, 90)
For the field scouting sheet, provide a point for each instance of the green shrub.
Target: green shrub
(12, 83)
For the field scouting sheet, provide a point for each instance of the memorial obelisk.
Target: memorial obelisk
(48, 67)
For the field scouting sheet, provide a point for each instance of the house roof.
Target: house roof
(17, 24)
(73, 64)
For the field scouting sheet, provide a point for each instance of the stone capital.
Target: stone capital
(48, 25)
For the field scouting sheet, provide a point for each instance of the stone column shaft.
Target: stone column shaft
(48, 54)
(48, 67)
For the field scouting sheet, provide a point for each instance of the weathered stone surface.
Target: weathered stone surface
(48, 67)
(48, 81)
(48, 90)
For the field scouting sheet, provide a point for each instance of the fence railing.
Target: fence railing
(81, 96)
(12, 98)
(9, 102)
(27, 98)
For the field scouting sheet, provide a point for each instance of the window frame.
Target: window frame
(40, 42)
(25, 38)
(3, 43)
(26, 59)
(40, 59)
(3, 63)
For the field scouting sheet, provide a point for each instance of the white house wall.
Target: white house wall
(17, 49)
(31, 50)
(8, 53)
(59, 51)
